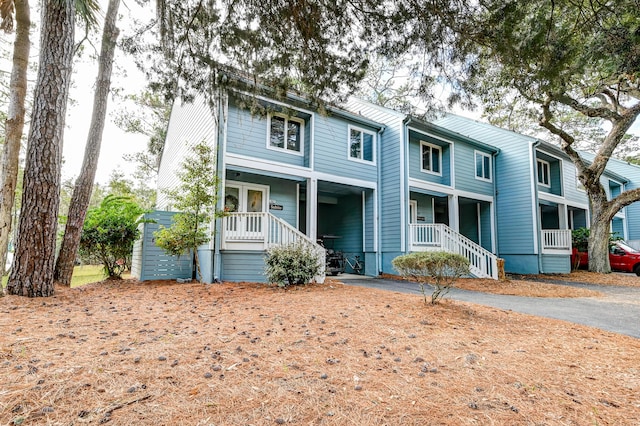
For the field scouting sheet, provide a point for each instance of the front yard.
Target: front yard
(165, 353)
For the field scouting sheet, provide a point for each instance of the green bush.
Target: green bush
(109, 232)
(438, 268)
(292, 264)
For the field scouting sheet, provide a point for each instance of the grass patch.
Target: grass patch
(83, 274)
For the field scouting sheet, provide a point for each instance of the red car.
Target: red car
(622, 257)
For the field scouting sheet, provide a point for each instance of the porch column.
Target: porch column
(563, 214)
(454, 214)
(312, 209)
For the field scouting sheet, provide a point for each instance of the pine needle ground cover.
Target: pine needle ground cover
(124, 352)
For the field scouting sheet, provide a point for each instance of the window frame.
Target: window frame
(544, 163)
(475, 166)
(287, 119)
(362, 131)
(431, 147)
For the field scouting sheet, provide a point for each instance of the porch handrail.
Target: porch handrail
(265, 228)
(556, 239)
(482, 262)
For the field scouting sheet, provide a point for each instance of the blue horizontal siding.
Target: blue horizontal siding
(331, 146)
(556, 264)
(247, 135)
(243, 266)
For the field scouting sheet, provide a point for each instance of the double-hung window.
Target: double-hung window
(361, 144)
(543, 173)
(286, 133)
(483, 166)
(431, 158)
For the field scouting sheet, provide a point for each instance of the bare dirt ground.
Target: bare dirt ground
(159, 353)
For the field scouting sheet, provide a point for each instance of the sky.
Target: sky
(127, 79)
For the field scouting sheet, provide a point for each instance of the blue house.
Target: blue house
(374, 183)
(289, 173)
(538, 197)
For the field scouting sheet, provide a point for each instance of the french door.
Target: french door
(249, 202)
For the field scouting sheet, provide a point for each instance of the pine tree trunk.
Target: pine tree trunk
(14, 125)
(33, 264)
(84, 184)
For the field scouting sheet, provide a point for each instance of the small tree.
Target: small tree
(196, 198)
(292, 264)
(109, 233)
(440, 267)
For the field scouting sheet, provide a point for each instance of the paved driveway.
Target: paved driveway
(618, 310)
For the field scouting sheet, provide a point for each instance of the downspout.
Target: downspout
(220, 143)
(536, 205)
(376, 207)
(494, 235)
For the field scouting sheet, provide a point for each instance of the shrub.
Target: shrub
(440, 267)
(292, 264)
(109, 232)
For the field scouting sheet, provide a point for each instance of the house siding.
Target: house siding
(393, 190)
(332, 150)
(515, 232)
(247, 135)
(415, 159)
(556, 264)
(240, 266)
(190, 124)
(465, 170)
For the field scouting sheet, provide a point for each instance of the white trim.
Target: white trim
(431, 147)
(297, 206)
(413, 217)
(373, 147)
(479, 224)
(447, 190)
(433, 209)
(364, 223)
(404, 190)
(261, 165)
(284, 149)
(492, 213)
(535, 216)
(560, 200)
(548, 165)
(484, 155)
(452, 164)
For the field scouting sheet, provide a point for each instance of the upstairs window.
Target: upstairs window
(286, 133)
(483, 166)
(361, 144)
(543, 173)
(431, 158)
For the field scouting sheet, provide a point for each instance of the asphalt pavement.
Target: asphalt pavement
(618, 310)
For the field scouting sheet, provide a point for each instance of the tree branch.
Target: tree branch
(602, 112)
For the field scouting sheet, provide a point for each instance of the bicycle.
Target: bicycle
(357, 266)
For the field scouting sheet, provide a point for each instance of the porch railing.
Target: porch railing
(556, 241)
(482, 263)
(267, 230)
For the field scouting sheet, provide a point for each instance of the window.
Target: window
(285, 133)
(361, 144)
(431, 158)
(483, 166)
(543, 173)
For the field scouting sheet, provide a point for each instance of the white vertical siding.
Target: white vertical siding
(190, 124)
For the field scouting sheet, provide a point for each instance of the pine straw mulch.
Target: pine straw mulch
(158, 353)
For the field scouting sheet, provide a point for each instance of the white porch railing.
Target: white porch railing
(438, 236)
(556, 241)
(265, 230)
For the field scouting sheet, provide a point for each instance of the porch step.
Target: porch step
(438, 236)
